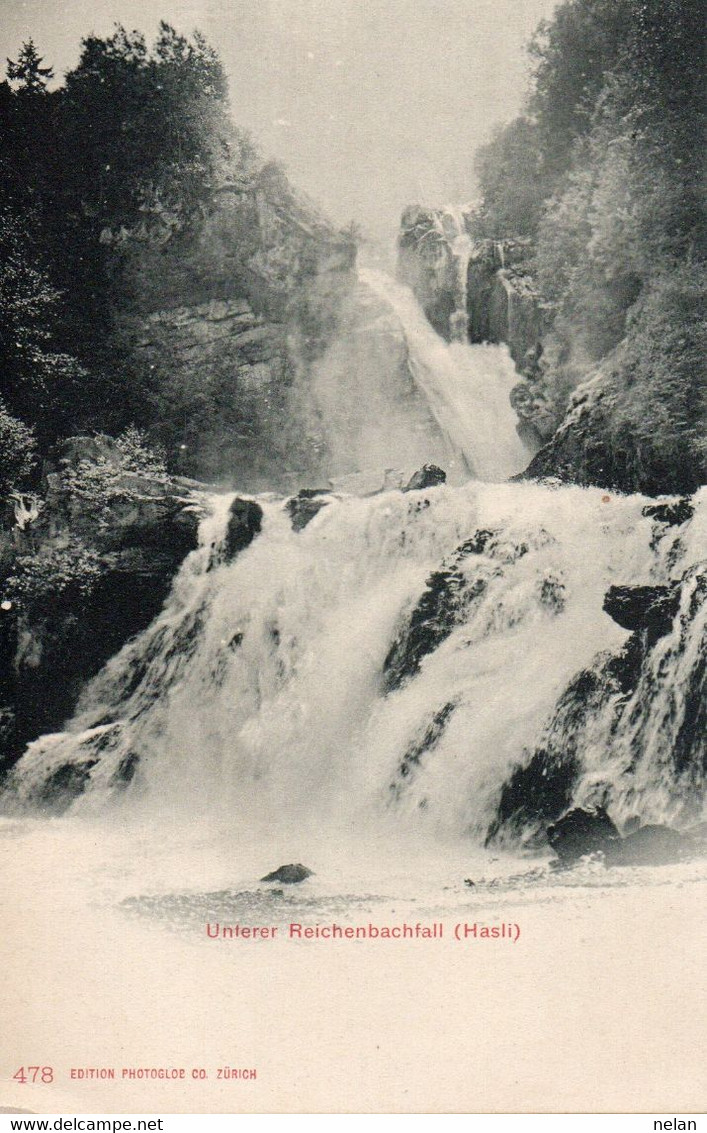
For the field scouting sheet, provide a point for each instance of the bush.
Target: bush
(40, 583)
(97, 483)
(140, 455)
(17, 452)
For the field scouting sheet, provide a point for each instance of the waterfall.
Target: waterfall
(390, 664)
(404, 659)
(467, 387)
(461, 246)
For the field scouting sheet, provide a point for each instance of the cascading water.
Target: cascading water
(376, 694)
(390, 664)
(461, 246)
(467, 387)
(399, 659)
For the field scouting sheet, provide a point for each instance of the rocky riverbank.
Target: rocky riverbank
(84, 565)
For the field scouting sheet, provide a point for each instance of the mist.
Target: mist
(370, 106)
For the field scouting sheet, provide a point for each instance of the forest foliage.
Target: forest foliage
(604, 172)
(120, 160)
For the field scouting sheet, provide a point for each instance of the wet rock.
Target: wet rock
(64, 785)
(290, 874)
(429, 476)
(303, 507)
(552, 593)
(125, 772)
(541, 790)
(245, 519)
(478, 543)
(420, 746)
(444, 604)
(646, 608)
(581, 832)
(672, 514)
(650, 845)
(533, 794)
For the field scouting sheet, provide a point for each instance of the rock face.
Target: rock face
(591, 447)
(449, 595)
(230, 320)
(426, 264)
(514, 314)
(501, 302)
(650, 728)
(89, 573)
(245, 519)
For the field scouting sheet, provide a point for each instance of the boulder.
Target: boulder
(245, 518)
(303, 507)
(97, 449)
(650, 845)
(581, 832)
(672, 514)
(647, 608)
(429, 476)
(290, 874)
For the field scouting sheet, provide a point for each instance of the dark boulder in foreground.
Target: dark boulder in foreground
(650, 845)
(305, 505)
(429, 476)
(289, 874)
(581, 832)
(245, 519)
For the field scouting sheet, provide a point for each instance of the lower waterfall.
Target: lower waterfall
(399, 691)
(388, 666)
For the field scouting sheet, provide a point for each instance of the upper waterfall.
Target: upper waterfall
(467, 387)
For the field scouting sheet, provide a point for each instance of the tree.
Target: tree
(513, 181)
(17, 453)
(28, 71)
(572, 54)
(40, 381)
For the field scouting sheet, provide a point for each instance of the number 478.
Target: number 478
(34, 1074)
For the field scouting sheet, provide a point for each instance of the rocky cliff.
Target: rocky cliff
(227, 319)
(485, 288)
(83, 568)
(437, 246)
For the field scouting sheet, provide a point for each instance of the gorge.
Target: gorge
(448, 659)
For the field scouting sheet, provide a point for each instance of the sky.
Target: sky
(372, 104)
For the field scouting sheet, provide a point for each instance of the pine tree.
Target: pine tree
(28, 71)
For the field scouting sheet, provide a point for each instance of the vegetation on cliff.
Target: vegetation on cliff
(604, 173)
(162, 289)
(126, 191)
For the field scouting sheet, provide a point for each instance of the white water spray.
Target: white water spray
(461, 247)
(262, 688)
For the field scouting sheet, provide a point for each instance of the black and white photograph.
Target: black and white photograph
(353, 557)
